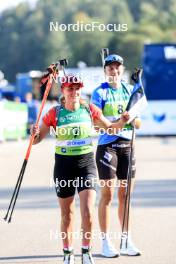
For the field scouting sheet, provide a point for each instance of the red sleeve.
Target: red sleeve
(95, 111)
(50, 118)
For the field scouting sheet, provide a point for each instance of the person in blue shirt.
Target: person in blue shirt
(113, 154)
(32, 110)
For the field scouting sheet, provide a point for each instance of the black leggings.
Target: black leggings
(113, 160)
(74, 172)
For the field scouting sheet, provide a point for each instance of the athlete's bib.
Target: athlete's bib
(73, 132)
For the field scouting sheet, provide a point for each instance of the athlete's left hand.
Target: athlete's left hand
(125, 117)
(136, 76)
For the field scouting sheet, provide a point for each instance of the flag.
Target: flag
(137, 102)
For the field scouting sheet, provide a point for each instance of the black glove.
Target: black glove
(52, 68)
(136, 76)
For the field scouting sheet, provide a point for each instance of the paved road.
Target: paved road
(33, 236)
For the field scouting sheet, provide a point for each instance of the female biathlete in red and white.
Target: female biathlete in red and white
(74, 160)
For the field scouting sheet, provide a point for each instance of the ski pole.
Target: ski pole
(126, 212)
(104, 53)
(51, 76)
(136, 78)
(20, 178)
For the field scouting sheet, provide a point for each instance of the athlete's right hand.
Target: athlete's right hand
(52, 68)
(35, 130)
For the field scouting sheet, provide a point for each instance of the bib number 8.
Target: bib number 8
(120, 109)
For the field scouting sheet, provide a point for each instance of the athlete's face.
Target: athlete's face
(72, 93)
(115, 70)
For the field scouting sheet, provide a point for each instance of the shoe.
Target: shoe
(87, 256)
(127, 247)
(108, 250)
(68, 257)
